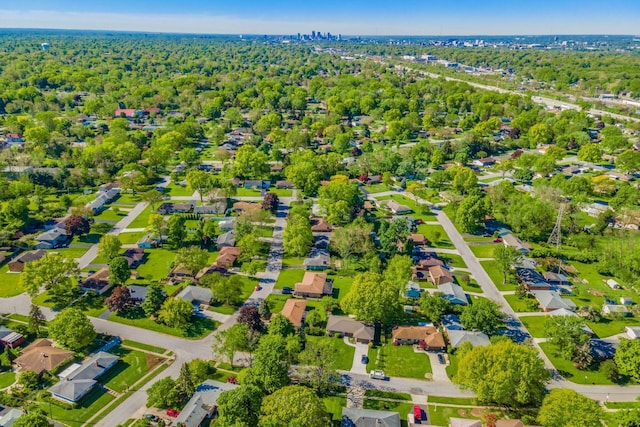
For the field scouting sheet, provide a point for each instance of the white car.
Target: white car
(377, 375)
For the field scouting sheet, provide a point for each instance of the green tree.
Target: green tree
(297, 236)
(506, 256)
(250, 163)
(153, 300)
(484, 314)
(226, 290)
(398, 271)
(153, 197)
(318, 363)
(628, 358)
(157, 226)
(629, 418)
(119, 271)
(36, 320)
(504, 373)
(109, 246)
(434, 305)
(270, 369)
(566, 408)
(566, 333)
(471, 212)
(201, 182)
(32, 419)
(590, 153)
(464, 180)
(372, 299)
(240, 407)
(228, 342)
(176, 313)
(53, 272)
(540, 134)
(293, 406)
(280, 325)
(163, 394)
(192, 258)
(353, 239)
(628, 161)
(176, 231)
(72, 329)
(185, 384)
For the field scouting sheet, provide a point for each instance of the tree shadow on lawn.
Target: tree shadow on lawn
(92, 238)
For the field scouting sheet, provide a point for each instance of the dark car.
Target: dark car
(441, 358)
(364, 359)
(151, 417)
(287, 290)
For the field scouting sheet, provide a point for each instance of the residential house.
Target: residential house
(531, 279)
(513, 241)
(218, 207)
(395, 207)
(138, 293)
(426, 337)
(464, 422)
(212, 269)
(294, 310)
(440, 275)
(134, 257)
(459, 337)
(454, 293)
(484, 162)
(354, 417)
(41, 355)
(412, 290)
(203, 403)
(556, 279)
(54, 238)
(9, 338)
(633, 332)
(285, 184)
(10, 416)
(240, 207)
(626, 301)
(418, 239)
(615, 310)
(170, 208)
(319, 260)
(256, 184)
(13, 139)
(228, 224)
(97, 282)
(226, 240)
(129, 113)
(180, 273)
(613, 284)
(313, 285)
(228, 256)
(78, 380)
(320, 225)
(509, 423)
(346, 326)
(148, 242)
(595, 209)
(196, 295)
(17, 264)
(550, 301)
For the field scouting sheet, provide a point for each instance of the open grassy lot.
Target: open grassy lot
(470, 401)
(522, 305)
(289, 277)
(248, 286)
(492, 269)
(589, 287)
(131, 238)
(570, 372)
(392, 395)
(9, 283)
(437, 236)
(535, 325)
(399, 361)
(483, 251)
(132, 366)
(142, 220)
(157, 264)
(199, 327)
(344, 354)
(112, 213)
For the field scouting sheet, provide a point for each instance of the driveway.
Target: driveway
(439, 370)
(361, 350)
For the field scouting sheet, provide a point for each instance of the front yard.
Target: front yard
(9, 283)
(248, 286)
(436, 235)
(289, 277)
(399, 361)
(567, 369)
(344, 356)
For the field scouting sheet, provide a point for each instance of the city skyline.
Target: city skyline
(493, 17)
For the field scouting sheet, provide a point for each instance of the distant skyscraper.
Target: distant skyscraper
(298, 36)
(313, 34)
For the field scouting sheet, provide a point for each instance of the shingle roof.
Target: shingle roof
(312, 283)
(354, 417)
(41, 356)
(347, 325)
(294, 310)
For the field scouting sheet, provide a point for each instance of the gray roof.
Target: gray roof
(9, 417)
(202, 403)
(72, 390)
(228, 238)
(451, 290)
(319, 259)
(347, 325)
(52, 235)
(476, 338)
(354, 417)
(196, 294)
(93, 367)
(550, 300)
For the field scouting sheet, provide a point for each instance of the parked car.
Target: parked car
(287, 290)
(172, 412)
(441, 358)
(151, 417)
(417, 413)
(258, 287)
(377, 375)
(364, 359)
(497, 240)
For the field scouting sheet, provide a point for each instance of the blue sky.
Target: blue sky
(412, 17)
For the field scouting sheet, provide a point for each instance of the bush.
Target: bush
(610, 370)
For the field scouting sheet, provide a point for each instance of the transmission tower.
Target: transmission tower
(556, 235)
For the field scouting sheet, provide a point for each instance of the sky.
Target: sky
(349, 17)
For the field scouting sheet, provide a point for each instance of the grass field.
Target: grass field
(199, 327)
(483, 251)
(110, 214)
(289, 277)
(344, 356)
(376, 188)
(6, 379)
(9, 283)
(70, 253)
(522, 305)
(535, 325)
(570, 372)
(607, 327)
(399, 361)
(131, 238)
(141, 220)
(431, 231)
(492, 269)
(132, 366)
(341, 285)
(157, 264)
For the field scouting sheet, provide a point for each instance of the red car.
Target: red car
(498, 240)
(172, 412)
(258, 287)
(417, 413)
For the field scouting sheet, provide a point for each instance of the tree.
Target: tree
(153, 197)
(629, 418)
(109, 246)
(29, 380)
(270, 369)
(239, 406)
(264, 310)
(434, 305)
(53, 272)
(629, 161)
(280, 325)
(153, 300)
(36, 320)
(176, 313)
(236, 338)
(77, 225)
(506, 256)
(270, 202)
(372, 299)
(32, 419)
(119, 300)
(318, 363)
(163, 394)
(297, 236)
(340, 199)
(398, 271)
(353, 239)
(464, 180)
(590, 153)
(184, 384)
(504, 373)
(628, 358)
(157, 226)
(293, 406)
(200, 181)
(564, 407)
(226, 290)
(250, 316)
(471, 212)
(176, 231)
(566, 333)
(250, 163)
(119, 271)
(72, 329)
(540, 134)
(484, 314)
(192, 258)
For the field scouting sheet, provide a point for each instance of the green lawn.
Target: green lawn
(584, 292)
(247, 192)
(431, 231)
(454, 260)
(399, 361)
(452, 367)
(131, 238)
(387, 405)
(110, 214)
(483, 251)
(175, 189)
(334, 405)
(157, 264)
(470, 401)
(535, 325)
(281, 192)
(70, 253)
(419, 211)
(9, 283)
(144, 347)
(264, 231)
(199, 327)
(393, 395)
(341, 285)
(289, 277)
(129, 199)
(292, 261)
(276, 302)
(376, 188)
(132, 366)
(607, 327)
(345, 352)
(88, 406)
(248, 286)
(91, 304)
(522, 305)
(570, 372)
(142, 220)
(6, 379)
(440, 414)
(492, 269)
